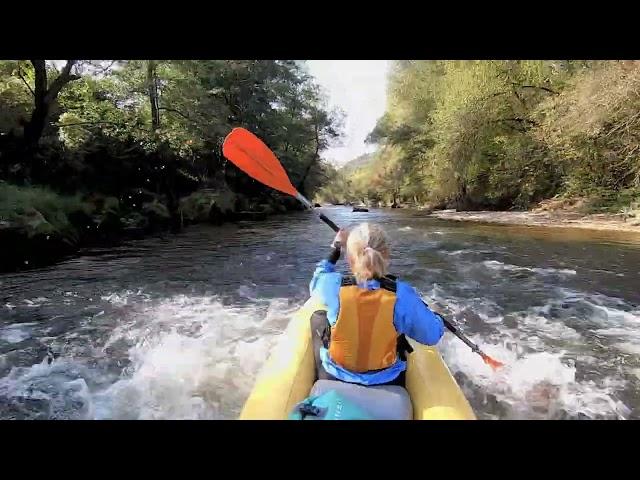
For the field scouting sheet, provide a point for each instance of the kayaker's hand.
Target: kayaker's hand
(341, 238)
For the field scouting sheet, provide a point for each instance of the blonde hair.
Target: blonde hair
(368, 249)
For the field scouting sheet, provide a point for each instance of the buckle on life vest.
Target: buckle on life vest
(348, 281)
(326, 335)
(308, 409)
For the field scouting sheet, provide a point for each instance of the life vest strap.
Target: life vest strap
(388, 282)
(403, 347)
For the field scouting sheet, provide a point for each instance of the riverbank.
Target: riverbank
(553, 213)
(546, 218)
(39, 227)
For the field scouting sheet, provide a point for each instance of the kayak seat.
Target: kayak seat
(382, 402)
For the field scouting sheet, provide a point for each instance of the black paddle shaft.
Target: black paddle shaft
(333, 226)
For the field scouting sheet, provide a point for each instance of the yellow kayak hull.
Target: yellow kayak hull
(289, 374)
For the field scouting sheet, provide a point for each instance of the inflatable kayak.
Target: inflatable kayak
(288, 378)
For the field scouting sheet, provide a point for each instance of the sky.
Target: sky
(358, 87)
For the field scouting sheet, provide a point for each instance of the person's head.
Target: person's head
(368, 252)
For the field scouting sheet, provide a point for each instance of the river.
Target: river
(178, 326)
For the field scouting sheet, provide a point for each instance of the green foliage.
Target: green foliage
(106, 117)
(594, 128)
(197, 206)
(16, 200)
(500, 134)
(40, 209)
(156, 208)
(15, 98)
(141, 140)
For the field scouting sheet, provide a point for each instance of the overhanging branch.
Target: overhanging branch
(25, 81)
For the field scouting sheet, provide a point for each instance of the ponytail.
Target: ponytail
(368, 250)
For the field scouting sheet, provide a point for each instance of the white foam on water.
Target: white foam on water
(464, 251)
(619, 317)
(532, 323)
(35, 302)
(625, 338)
(620, 321)
(16, 332)
(455, 253)
(496, 265)
(618, 332)
(123, 298)
(621, 324)
(190, 357)
(552, 329)
(266, 256)
(405, 229)
(248, 291)
(607, 311)
(59, 388)
(538, 380)
(628, 347)
(597, 298)
(194, 358)
(550, 271)
(540, 385)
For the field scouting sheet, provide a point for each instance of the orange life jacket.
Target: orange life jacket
(364, 337)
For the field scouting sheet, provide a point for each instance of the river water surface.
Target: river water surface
(178, 326)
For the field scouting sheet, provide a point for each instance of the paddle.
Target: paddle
(252, 156)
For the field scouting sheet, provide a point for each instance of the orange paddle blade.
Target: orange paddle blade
(252, 156)
(493, 363)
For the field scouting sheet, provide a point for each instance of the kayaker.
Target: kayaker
(368, 313)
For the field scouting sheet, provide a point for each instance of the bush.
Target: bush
(198, 206)
(593, 128)
(25, 205)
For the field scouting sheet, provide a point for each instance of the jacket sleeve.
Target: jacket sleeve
(325, 286)
(322, 268)
(414, 318)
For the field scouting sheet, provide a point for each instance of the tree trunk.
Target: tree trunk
(152, 83)
(34, 128)
(43, 97)
(311, 163)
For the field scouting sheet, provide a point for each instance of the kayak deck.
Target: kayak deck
(289, 374)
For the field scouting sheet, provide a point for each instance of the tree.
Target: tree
(152, 80)
(155, 128)
(44, 96)
(453, 126)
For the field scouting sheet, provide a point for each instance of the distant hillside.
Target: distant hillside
(363, 160)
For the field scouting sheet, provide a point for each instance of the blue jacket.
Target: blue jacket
(410, 317)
